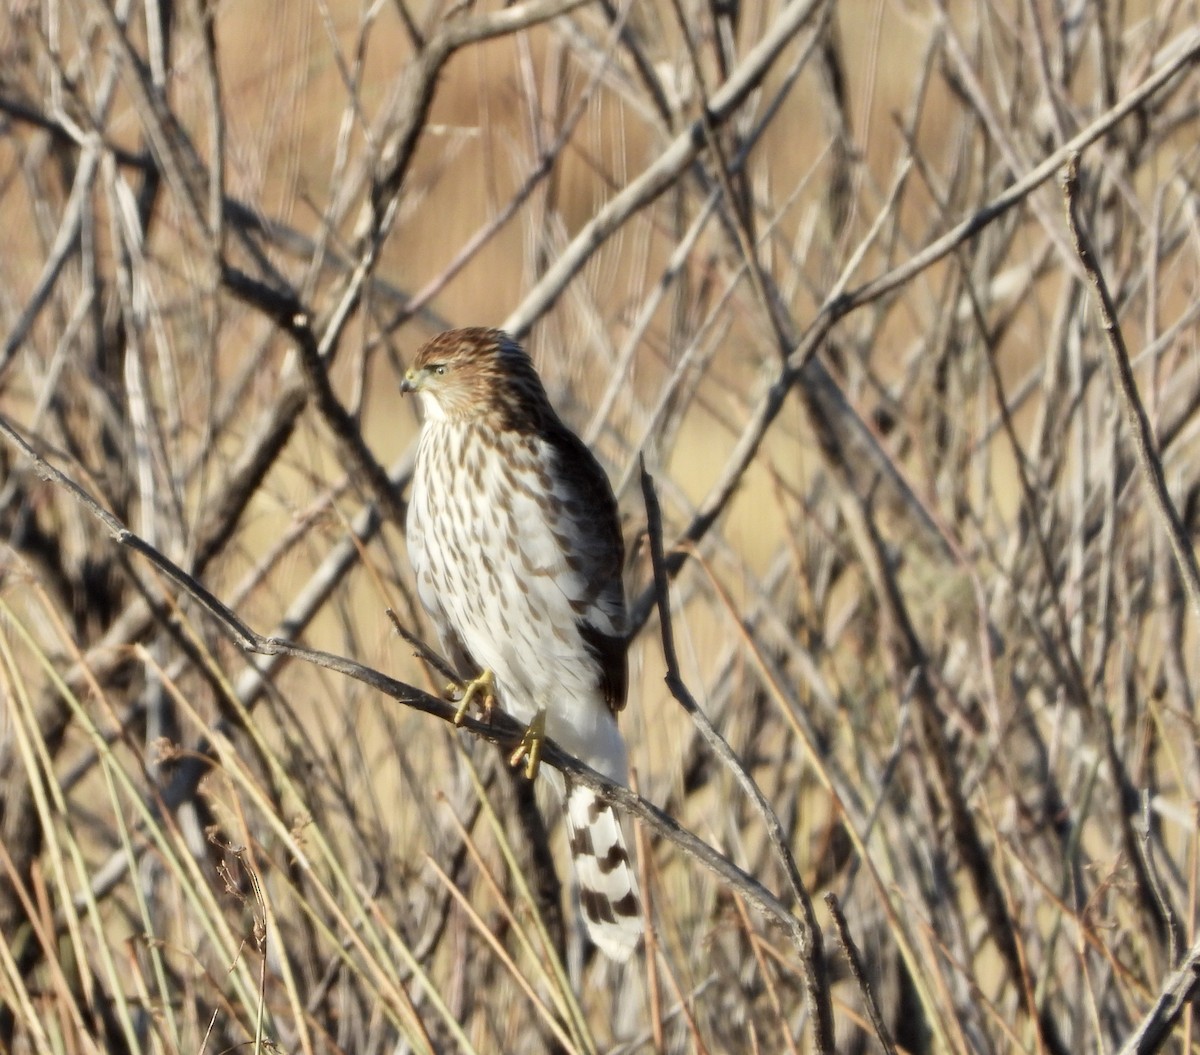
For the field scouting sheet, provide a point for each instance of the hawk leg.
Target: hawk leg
(530, 747)
(483, 686)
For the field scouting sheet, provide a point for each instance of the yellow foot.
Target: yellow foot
(484, 686)
(530, 747)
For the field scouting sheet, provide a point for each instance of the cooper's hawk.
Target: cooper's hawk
(514, 538)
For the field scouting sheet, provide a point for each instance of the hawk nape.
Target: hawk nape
(514, 537)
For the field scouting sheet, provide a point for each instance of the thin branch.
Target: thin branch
(805, 931)
(423, 651)
(858, 970)
(1178, 992)
(1135, 413)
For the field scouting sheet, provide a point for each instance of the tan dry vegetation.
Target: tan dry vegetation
(934, 612)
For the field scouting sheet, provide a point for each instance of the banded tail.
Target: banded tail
(608, 888)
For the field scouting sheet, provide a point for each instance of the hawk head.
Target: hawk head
(477, 374)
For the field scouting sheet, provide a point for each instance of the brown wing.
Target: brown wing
(598, 552)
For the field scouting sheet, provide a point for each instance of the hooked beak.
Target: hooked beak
(409, 384)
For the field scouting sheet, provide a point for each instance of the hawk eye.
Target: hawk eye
(439, 369)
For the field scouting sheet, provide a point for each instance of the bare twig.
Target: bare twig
(1135, 414)
(1177, 994)
(859, 973)
(806, 932)
(427, 654)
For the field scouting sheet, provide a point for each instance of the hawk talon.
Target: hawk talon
(484, 685)
(530, 747)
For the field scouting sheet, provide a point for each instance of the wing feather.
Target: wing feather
(597, 552)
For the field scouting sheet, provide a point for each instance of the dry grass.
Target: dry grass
(918, 582)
